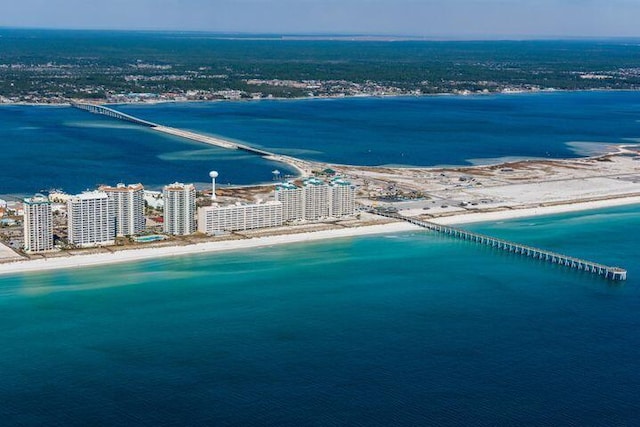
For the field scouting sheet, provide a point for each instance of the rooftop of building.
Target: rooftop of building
(239, 204)
(37, 199)
(121, 187)
(286, 186)
(313, 181)
(178, 186)
(341, 182)
(90, 195)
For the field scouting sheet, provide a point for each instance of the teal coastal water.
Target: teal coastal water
(55, 147)
(401, 329)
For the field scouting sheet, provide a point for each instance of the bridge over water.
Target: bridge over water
(612, 273)
(110, 112)
(206, 139)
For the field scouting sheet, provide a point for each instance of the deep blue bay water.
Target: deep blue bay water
(61, 147)
(58, 147)
(425, 131)
(401, 329)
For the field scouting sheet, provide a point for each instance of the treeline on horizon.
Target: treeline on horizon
(65, 62)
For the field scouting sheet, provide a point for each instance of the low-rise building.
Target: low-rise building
(214, 219)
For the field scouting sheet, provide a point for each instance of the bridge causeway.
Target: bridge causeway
(110, 112)
(608, 272)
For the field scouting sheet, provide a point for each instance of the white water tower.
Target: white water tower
(213, 175)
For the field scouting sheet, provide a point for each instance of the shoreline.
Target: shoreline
(137, 255)
(328, 97)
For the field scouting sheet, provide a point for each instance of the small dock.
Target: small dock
(608, 272)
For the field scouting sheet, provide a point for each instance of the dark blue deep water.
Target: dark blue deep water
(61, 147)
(426, 131)
(57, 147)
(404, 329)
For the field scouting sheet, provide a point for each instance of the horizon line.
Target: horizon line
(335, 36)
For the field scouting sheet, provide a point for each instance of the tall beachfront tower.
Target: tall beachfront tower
(38, 224)
(128, 202)
(343, 198)
(179, 209)
(91, 219)
(290, 196)
(315, 195)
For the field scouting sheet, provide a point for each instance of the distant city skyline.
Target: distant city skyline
(482, 19)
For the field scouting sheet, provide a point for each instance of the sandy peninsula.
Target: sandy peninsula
(453, 195)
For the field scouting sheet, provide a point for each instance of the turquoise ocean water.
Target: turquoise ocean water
(400, 329)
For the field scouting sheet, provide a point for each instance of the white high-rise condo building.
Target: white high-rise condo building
(91, 219)
(128, 202)
(290, 196)
(213, 219)
(343, 198)
(179, 209)
(315, 197)
(38, 224)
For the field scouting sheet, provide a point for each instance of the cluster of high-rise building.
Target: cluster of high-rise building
(94, 218)
(97, 218)
(316, 199)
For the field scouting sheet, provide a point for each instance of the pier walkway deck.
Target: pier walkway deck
(612, 273)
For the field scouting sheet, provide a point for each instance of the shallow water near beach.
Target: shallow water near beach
(401, 329)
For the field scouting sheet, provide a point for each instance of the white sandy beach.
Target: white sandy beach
(89, 260)
(78, 261)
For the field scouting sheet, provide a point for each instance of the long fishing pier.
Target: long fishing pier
(608, 272)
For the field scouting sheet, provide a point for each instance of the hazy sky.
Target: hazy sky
(457, 18)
